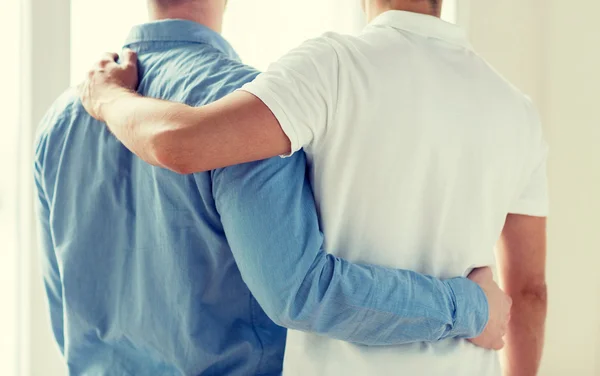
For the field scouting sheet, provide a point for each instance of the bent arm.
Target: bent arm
(238, 128)
(522, 262)
(269, 217)
(290, 107)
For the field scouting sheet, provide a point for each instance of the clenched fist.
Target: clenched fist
(107, 80)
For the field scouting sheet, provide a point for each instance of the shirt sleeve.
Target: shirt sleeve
(532, 197)
(269, 217)
(301, 91)
(50, 270)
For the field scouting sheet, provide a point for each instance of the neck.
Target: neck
(376, 7)
(207, 13)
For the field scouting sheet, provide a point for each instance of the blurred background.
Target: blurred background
(550, 49)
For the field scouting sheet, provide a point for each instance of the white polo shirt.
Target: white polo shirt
(418, 151)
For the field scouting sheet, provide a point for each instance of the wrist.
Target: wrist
(108, 99)
(471, 311)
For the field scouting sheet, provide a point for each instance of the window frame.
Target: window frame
(45, 66)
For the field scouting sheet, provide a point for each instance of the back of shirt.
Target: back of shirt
(418, 152)
(140, 278)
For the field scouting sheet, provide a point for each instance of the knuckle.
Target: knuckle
(109, 56)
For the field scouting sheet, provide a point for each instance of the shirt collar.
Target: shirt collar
(175, 30)
(428, 26)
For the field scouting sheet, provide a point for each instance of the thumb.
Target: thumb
(128, 57)
(498, 344)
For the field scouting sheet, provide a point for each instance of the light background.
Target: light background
(548, 48)
(9, 105)
(260, 30)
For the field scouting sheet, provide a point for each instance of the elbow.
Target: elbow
(168, 153)
(284, 319)
(305, 305)
(279, 312)
(287, 308)
(273, 298)
(279, 319)
(532, 293)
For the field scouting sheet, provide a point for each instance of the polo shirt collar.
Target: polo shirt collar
(422, 24)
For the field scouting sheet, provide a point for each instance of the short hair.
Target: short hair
(168, 3)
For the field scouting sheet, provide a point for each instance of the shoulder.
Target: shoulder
(314, 59)
(51, 133)
(232, 75)
(328, 44)
(56, 119)
(66, 123)
(210, 77)
(195, 74)
(60, 109)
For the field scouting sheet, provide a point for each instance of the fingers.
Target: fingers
(109, 56)
(128, 57)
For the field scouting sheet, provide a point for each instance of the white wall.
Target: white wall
(551, 50)
(572, 90)
(9, 107)
(280, 25)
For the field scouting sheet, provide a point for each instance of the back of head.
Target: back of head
(168, 3)
(165, 4)
(206, 12)
(375, 7)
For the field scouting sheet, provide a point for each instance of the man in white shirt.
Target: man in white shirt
(405, 127)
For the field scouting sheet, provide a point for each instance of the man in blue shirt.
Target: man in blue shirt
(149, 272)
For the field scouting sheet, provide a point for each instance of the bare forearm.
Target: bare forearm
(525, 336)
(187, 139)
(522, 264)
(148, 127)
(141, 123)
(235, 129)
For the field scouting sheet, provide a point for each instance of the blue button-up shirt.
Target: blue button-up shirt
(149, 272)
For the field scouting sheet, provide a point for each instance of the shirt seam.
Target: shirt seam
(260, 342)
(268, 97)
